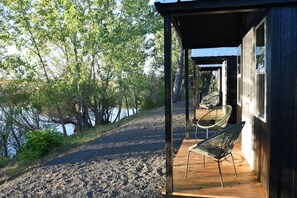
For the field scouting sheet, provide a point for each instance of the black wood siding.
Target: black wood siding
(281, 87)
(232, 88)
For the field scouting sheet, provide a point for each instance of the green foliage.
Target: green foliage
(40, 142)
(154, 97)
(62, 59)
(3, 161)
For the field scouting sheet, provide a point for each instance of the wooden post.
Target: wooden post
(187, 134)
(221, 82)
(168, 104)
(195, 89)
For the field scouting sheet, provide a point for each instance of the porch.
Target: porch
(206, 183)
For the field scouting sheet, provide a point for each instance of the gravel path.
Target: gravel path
(126, 162)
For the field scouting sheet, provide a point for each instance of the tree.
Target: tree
(74, 61)
(179, 72)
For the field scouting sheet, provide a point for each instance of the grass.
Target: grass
(16, 166)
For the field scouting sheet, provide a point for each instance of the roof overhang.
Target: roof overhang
(209, 30)
(217, 6)
(213, 23)
(211, 60)
(213, 55)
(209, 68)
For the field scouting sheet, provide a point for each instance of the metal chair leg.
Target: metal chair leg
(222, 183)
(196, 131)
(187, 163)
(234, 165)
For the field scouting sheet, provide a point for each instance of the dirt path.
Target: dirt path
(126, 162)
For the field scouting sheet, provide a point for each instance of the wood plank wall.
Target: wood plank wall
(281, 87)
(232, 88)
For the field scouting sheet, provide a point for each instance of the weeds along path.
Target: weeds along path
(126, 162)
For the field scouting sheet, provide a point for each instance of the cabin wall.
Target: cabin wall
(231, 88)
(282, 100)
(262, 151)
(238, 113)
(256, 130)
(274, 139)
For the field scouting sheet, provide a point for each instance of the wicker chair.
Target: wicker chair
(216, 118)
(210, 100)
(218, 146)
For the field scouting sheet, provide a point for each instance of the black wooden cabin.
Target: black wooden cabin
(224, 61)
(266, 32)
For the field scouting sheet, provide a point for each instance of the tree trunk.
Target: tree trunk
(101, 113)
(135, 103)
(62, 121)
(96, 105)
(118, 117)
(5, 148)
(179, 73)
(127, 106)
(15, 137)
(79, 100)
(78, 127)
(12, 130)
(85, 117)
(96, 112)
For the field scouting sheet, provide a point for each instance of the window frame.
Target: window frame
(261, 71)
(239, 75)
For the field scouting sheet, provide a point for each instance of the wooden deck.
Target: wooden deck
(206, 183)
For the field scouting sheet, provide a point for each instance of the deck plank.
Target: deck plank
(206, 182)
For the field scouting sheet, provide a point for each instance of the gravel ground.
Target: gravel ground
(126, 162)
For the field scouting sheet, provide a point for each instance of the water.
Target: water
(124, 113)
(70, 127)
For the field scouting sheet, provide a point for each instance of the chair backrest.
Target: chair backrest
(221, 144)
(223, 120)
(220, 115)
(211, 99)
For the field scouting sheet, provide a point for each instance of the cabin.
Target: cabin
(265, 32)
(222, 62)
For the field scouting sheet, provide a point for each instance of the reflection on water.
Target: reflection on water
(70, 127)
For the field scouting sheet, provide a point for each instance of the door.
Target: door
(224, 83)
(247, 97)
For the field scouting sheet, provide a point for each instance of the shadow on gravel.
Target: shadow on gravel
(129, 141)
(108, 148)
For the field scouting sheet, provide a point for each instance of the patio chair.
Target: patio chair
(218, 146)
(210, 100)
(216, 118)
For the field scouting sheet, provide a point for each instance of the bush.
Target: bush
(39, 143)
(3, 161)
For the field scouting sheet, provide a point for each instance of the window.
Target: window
(261, 70)
(239, 83)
